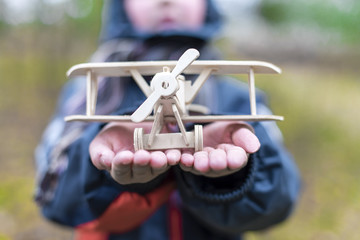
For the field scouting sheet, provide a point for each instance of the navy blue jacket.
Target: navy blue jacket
(259, 196)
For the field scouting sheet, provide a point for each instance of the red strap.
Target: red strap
(175, 218)
(129, 210)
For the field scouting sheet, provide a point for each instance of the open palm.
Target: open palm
(112, 149)
(226, 149)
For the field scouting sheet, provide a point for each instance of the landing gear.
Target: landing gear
(169, 140)
(138, 139)
(198, 137)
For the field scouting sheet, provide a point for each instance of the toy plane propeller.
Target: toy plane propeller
(164, 84)
(169, 96)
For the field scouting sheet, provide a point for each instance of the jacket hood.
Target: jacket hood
(115, 24)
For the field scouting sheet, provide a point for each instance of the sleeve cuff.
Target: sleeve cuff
(218, 190)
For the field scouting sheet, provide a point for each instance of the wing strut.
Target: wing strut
(141, 81)
(91, 93)
(252, 94)
(195, 88)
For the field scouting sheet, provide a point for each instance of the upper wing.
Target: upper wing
(195, 119)
(148, 68)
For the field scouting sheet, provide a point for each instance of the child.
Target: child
(91, 178)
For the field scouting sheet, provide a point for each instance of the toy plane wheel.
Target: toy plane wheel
(138, 139)
(198, 129)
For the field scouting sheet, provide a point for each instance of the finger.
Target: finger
(218, 160)
(173, 156)
(141, 168)
(208, 149)
(142, 158)
(158, 161)
(245, 139)
(121, 166)
(123, 158)
(236, 156)
(101, 155)
(201, 161)
(187, 160)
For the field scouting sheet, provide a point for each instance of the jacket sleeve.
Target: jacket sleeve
(90, 199)
(72, 192)
(260, 195)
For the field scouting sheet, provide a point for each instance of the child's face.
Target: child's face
(159, 15)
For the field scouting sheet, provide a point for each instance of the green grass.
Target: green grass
(339, 18)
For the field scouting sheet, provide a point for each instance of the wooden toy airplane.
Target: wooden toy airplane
(170, 96)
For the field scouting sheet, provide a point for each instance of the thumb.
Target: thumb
(246, 139)
(101, 155)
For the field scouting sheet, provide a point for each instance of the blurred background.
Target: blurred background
(316, 43)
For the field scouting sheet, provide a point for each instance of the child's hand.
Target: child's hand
(112, 149)
(226, 149)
